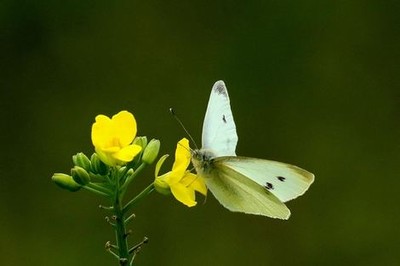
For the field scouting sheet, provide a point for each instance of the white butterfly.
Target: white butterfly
(243, 184)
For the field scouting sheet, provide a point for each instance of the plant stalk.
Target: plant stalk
(120, 233)
(136, 199)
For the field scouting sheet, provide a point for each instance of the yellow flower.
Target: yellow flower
(181, 182)
(112, 138)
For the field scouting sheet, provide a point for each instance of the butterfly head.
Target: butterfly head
(202, 160)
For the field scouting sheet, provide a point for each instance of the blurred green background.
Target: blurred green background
(313, 83)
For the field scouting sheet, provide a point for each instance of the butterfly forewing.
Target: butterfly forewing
(219, 129)
(283, 180)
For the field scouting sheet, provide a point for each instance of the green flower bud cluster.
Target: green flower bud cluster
(83, 171)
(88, 172)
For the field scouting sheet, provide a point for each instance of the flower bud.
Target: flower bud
(161, 186)
(97, 166)
(122, 170)
(80, 175)
(151, 151)
(80, 159)
(141, 141)
(65, 181)
(124, 173)
(129, 173)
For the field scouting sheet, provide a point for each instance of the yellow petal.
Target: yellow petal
(182, 157)
(188, 178)
(125, 125)
(106, 157)
(127, 154)
(183, 194)
(200, 186)
(195, 182)
(101, 131)
(172, 177)
(112, 149)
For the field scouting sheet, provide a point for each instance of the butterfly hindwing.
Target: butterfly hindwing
(219, 129)
(283, 180)
(240, 194)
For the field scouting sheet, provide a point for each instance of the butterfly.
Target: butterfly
(243, 184)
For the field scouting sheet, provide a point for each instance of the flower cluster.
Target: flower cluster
(117, 147)
(119, 157)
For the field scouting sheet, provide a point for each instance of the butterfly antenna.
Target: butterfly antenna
(171, 110)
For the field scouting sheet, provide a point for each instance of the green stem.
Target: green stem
(136, 199)
(94, 190)
(120, 215)
(99, 188)
(132, 177)
(120, 232)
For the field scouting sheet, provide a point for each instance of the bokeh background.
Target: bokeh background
(313, 83)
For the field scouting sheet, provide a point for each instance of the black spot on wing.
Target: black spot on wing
(220, 88)
(281, 178)
(269, 186)
(224, 119)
